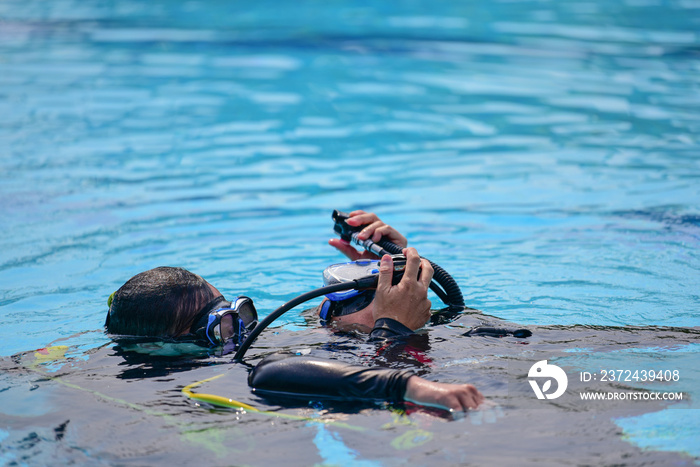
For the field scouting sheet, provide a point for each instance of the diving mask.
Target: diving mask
(221, 322)
(348, 301)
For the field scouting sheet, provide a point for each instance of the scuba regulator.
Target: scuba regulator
(450, 294)
(442, 284)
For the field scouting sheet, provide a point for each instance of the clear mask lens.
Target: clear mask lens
(227, 330)
(347, 272)
(231, 323)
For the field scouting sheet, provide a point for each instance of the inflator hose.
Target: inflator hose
(442, 277)
(362, 283)
(452, 295)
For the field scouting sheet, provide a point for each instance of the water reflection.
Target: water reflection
(544, 153)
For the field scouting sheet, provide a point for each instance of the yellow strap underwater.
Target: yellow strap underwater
(221, 401)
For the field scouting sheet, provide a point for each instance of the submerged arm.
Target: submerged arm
(307, 376)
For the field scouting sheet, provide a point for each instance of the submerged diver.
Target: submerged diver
(174, 303)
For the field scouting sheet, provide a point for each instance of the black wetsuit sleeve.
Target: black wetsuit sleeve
(287, 374)
(386, 328)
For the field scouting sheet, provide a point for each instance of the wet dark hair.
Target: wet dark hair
(160, 302)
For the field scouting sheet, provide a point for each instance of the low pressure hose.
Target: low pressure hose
(451, 296)
(362, 283)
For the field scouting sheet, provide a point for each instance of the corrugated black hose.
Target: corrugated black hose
(450, 293)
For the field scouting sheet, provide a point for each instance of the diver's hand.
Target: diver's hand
(455, 397)
(406, 302)
(374, 229)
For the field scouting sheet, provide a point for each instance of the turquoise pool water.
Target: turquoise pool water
(546, 154)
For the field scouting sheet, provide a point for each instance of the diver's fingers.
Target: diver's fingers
(345, 248)
(470, 397)
(359, 217)
(358, 212)
(426, 273)
(412, 264)
(480, 399)
(390, 233)
(386, 272)
(369, 230)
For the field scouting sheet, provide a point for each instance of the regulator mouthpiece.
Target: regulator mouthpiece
(341, 227)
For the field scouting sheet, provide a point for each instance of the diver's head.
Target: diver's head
(175, 303)
(350, 307)
(160, 302)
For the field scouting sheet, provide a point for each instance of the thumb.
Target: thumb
(386, 272)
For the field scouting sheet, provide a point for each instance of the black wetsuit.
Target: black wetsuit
(387, 328)
(288, 374)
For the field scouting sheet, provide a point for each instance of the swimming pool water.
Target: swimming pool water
(546, 154)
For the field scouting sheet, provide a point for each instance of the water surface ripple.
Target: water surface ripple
(544, 153)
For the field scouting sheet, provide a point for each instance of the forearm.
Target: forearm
(287, 374)
(307, 376)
